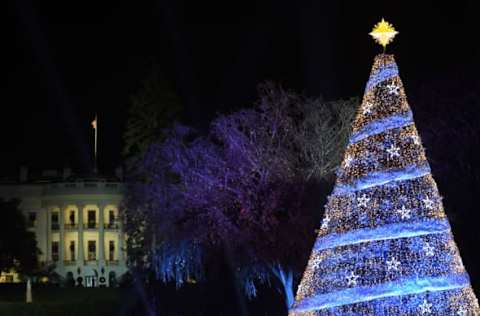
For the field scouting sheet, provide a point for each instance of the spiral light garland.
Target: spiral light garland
(385, 246)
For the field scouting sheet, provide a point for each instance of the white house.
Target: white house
(76, 223)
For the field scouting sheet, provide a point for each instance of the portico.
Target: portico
(77, 226)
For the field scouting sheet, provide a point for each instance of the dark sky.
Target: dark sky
(67, 60)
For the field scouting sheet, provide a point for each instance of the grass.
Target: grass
(53, 301)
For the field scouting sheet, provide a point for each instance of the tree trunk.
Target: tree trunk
(286, 279)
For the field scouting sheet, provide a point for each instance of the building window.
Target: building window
(111, 250)
(55, 250)
(71, 217)
(91, 219)
(55, 225)
(92, 250)
(70, 223)
(32, 219)
(72, 250)
(111, 216)
(111, 219)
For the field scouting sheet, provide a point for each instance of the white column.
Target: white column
(80, 258)
(61, 246)
(120, 240)
(101, 233)
(48, 253)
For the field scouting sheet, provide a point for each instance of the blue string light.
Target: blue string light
(385, 246)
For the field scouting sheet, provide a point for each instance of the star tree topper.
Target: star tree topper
(383, 33)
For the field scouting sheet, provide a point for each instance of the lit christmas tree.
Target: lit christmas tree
(385, 246)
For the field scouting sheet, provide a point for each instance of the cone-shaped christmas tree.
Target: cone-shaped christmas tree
(385, 246)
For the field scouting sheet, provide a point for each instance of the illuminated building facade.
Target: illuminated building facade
(76, 223)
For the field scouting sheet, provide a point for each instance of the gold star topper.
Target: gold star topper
(383, 33)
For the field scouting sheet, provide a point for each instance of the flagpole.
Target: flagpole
(96, 131)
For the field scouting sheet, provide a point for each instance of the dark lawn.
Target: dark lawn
(190, 300)
(65, 301)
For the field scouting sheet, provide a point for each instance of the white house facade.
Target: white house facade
(76, 223)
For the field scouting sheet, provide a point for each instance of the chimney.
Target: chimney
(119, 173)
(67, 172)
(23, 174)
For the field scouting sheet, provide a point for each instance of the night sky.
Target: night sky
(67, 60)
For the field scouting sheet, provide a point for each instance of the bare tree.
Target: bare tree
(241, 189)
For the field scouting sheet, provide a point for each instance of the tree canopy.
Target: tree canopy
(154, 107)
(18, 247)
(241, 191)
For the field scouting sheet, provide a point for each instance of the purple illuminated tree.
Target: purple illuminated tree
(385, 246)
(241, 190)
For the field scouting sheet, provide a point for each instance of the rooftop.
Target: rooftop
(65, 175)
